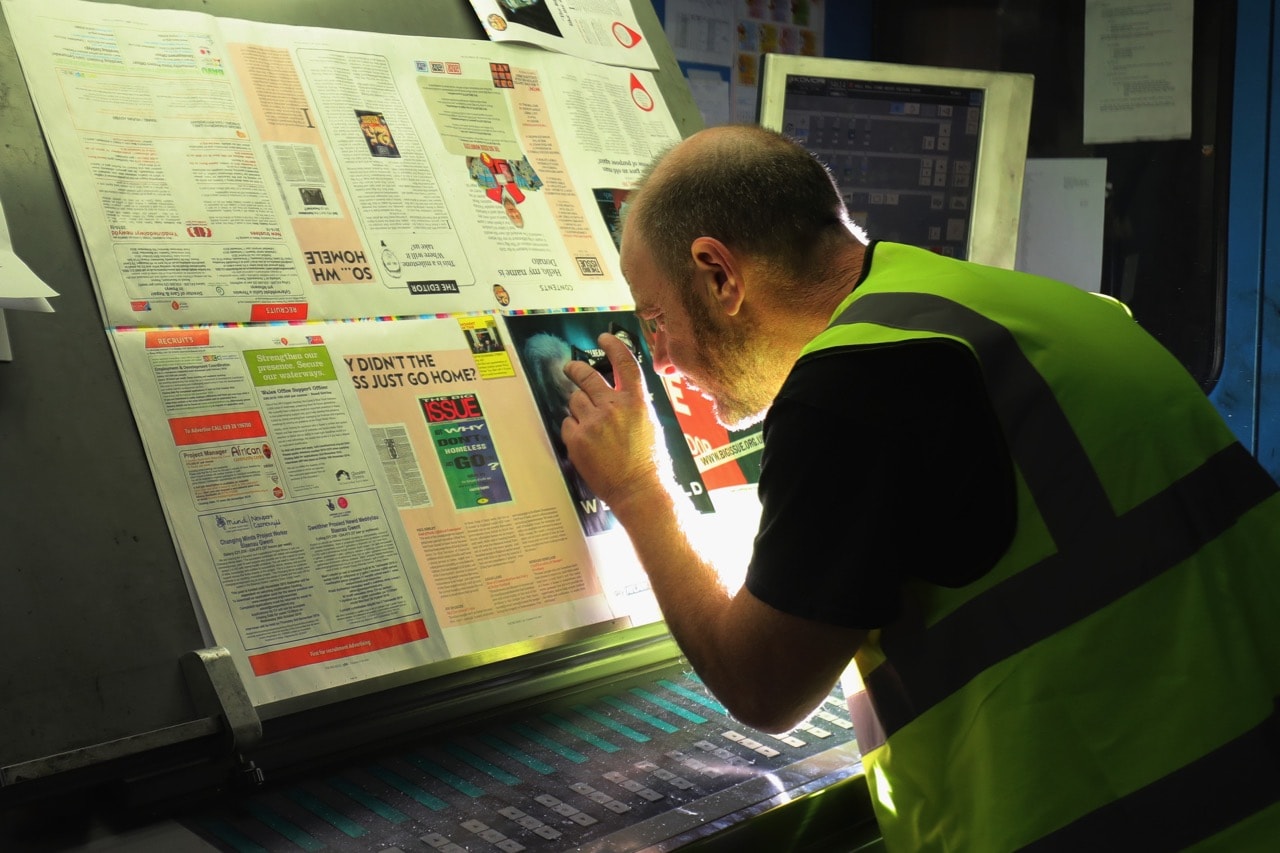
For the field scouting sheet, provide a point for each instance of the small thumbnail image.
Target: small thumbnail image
(501, 74)
(377, 135)
(505, 182)
(484, 337)
(610, 203)
(531, 13)
(312, 196)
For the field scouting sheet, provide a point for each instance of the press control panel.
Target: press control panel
(649, 761)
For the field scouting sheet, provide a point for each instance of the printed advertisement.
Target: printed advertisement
(545, 343)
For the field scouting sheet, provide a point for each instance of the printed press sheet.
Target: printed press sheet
(307, 246)
(228, 171)
(601, 30)
(350, 498)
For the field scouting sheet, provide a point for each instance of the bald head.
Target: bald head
(754, 190)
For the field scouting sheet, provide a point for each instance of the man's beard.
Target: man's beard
(735, 415)
(735, 374)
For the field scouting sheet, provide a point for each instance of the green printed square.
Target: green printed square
(289, 366)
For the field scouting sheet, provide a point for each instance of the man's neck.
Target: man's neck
(846, 271)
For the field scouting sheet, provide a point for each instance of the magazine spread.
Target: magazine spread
(339, 489)
(342, 273)
(230, 171)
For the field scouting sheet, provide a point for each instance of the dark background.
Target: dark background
(1164, 250)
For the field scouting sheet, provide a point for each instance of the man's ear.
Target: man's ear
(717, 270)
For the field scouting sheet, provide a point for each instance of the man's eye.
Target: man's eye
(651, 324)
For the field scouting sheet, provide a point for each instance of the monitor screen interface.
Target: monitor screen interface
(903, 155)
(923, 155)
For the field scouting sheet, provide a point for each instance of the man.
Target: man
(1057, 571)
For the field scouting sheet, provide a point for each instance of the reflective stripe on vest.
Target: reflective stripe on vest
(1197, 801)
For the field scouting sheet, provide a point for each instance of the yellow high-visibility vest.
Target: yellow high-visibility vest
(1112, 682)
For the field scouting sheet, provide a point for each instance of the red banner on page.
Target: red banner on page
(339, 647)
(269, 311)
(169, 338)
(228, 426)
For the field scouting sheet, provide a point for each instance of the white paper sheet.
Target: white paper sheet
(234, 171)
(20, 288)
(1060, 230)
(1137, 70)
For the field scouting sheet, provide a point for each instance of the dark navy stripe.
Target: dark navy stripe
(1066, 488)
(1193, 803)
(1048, 597)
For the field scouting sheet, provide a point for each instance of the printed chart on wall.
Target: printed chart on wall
(718, 44)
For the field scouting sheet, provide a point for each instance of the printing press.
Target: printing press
(125, 729)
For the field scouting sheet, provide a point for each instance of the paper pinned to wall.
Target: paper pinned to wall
(1060, 229)
(1137, 70)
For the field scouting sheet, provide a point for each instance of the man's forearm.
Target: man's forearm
(690, 594)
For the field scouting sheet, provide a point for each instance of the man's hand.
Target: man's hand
(770, 669)
(609, 432)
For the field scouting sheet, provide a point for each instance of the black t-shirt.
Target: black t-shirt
(881, 464)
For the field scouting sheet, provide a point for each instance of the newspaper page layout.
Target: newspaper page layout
(600, 30)
(307, 245)
(229, 171)
(356, 498)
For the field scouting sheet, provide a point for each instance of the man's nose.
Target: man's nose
(661, 359)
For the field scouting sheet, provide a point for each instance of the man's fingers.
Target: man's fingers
(580, 403)
(626, 370)
(585, 377)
